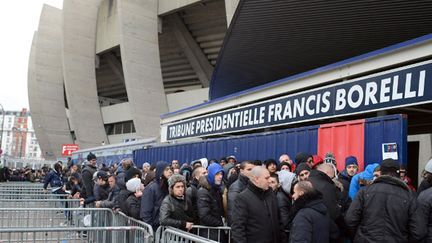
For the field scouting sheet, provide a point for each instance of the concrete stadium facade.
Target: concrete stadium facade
(103, 71)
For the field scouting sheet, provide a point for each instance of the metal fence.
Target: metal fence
(210, 234)
(39, 203)
(170, 235)
(130, 234)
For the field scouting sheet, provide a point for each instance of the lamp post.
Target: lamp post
(2, 126)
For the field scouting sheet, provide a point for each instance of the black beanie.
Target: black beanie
(301, 158)
(389, 167)
(91, 156)
(131, 173)
(301, 167)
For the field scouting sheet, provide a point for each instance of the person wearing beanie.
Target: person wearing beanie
(285, 158)
(385, 205)
(351, 168)
(133, 202)
(154, 193)
(304, 157)
(176, 209)
(210, 205)
(271, 165)
(87, 176)
(427, 177)
(302, 171)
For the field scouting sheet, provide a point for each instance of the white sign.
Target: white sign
(389, 151)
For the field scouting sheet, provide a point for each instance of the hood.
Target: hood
(317, 205)
(392, 181)
(160, 167)
(368, 172)
(213, 169)
(286, 179)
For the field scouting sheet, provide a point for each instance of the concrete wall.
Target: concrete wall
(230, 7)
(425, 152)
(107, 25)
(35, 102)
(167, 6)
(116, 113)
(49, 82)
(177, 101)
(138, 22)
(119, 138)
(79, 36)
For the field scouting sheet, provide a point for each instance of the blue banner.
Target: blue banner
(404, 86)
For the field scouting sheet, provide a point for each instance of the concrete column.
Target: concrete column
(79, 38)
(230, 7)
(425, 151)
(35, 101)
(138, 29)
(49, 82)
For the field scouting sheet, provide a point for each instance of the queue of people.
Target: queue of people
(302, 200)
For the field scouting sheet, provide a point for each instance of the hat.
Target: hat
(146, 164)
(174, 179)
(231, 157)
(131, 173)
(389, 166)
(301, 157)
(133, 184)
(351, 160)
(301, 167)
(91, 156)
(330, 158)
(317, 160)
(102, 175)
(428, 166)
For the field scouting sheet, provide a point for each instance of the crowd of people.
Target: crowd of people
(302, 200)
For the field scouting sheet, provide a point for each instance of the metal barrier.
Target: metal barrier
(32, 196)
(223, 232)
(55, 217)
(123, 219)
(130, 234)
(39, 203)
(171, 234)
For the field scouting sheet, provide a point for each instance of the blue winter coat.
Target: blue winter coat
(367, 174)
(54, 179)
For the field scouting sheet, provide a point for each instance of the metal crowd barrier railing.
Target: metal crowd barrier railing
(55, 217)
(123, 219)
(39, 203)
(130, 234)
(200, 231)
(171, 234)
(32, 196)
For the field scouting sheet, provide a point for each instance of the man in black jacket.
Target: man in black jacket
(386, 210)
(238, 186)
(255, 218)
(87, 175)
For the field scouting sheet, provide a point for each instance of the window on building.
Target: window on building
(120, 128)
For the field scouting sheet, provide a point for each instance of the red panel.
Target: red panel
(343, 139)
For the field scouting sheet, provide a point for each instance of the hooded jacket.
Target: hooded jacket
(54, 179)
(312, 222)
(87, 179)
(386, 211)
(210, 206)
(152, 197)
(255, 218)
(367, 175)
(286, 180)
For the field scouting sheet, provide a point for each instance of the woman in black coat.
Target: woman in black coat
(176, 209)
(133, 202)
(310, 221)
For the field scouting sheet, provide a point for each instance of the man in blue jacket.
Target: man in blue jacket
(55, 180)
(360, 179)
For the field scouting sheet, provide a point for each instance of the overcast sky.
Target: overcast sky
(18, 21)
